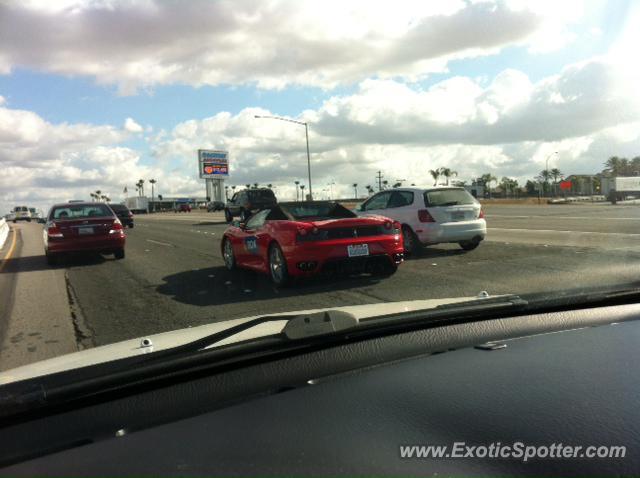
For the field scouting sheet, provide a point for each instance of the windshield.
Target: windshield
(280, 156)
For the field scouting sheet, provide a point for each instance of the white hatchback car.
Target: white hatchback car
(431, 216)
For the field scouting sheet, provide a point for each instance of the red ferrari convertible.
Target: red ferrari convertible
(305, 238)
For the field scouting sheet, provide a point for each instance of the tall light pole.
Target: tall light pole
(306, 133)
(331, 184)
(153, 200)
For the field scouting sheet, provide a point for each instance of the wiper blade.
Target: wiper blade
(296, 327)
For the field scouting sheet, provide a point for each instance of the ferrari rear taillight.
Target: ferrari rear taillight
(424, 216)
(387, 225)
(53, 231)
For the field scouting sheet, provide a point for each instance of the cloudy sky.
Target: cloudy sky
(95, 94)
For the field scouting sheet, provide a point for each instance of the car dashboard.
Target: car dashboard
(566, 377)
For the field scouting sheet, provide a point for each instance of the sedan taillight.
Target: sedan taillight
(116, 228)
(53, 231)
(424, 216)
(481, 215)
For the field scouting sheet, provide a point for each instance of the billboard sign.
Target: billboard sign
(213, 164)
(565, 185)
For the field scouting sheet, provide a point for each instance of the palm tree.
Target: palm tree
(297, 183)
(270, 185)
(355, 189)
(247, 186)
(447, 173)
(435, 174)
(384, 184)
(369, 189)
(302, 191)
(543, 178)
(487, 179)
(141, 183)
(255, 185)
(233, 188)
(396, 185)
(555, 173)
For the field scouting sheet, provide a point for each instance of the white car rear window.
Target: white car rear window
(447, 197)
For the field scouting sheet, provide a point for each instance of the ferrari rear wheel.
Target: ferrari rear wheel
(278, 266)
(227, 254)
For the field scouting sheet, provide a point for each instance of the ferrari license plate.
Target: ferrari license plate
(357, 250)
(83, 231)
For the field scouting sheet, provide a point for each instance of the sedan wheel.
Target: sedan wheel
(278, 266)
(227, 255)
(469, 245)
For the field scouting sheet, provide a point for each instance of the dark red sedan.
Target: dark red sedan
(306, 238)
(82, 227)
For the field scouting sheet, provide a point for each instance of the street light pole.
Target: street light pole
(306, 133)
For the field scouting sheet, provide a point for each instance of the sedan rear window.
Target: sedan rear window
(81, 211)
(447, 197)
(118, 208)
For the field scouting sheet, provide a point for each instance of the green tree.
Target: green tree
(487, 179)
(435, 174)
(447, 173)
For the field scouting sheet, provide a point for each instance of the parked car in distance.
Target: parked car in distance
(183, 207)
(123, 213)
(22, 213)
(215, 206)
(82, 227)
(431, 216)
(246, 202)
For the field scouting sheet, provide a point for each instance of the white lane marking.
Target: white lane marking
(161, 243)
(621, 234)
(568, 217)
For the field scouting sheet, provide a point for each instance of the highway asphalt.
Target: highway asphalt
(174, 277)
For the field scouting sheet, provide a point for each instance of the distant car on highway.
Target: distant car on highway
(215, 206)
(183, 207)
(246, 202)
(306, 238)
(431, 216)
(82, 227)
(22, 213)
(123, 213)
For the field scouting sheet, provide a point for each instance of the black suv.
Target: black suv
(247, 201)
(123, 213)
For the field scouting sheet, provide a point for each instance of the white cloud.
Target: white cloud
(272, 44)
(133, 127)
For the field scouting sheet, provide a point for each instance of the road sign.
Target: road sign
(213, 164)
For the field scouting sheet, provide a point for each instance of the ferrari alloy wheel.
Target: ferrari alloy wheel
(278, 266)
(227, 253)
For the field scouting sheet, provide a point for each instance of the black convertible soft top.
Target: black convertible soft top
(310, 210)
